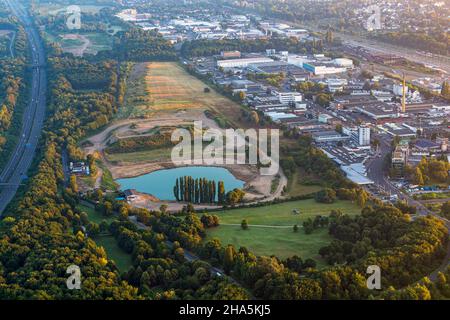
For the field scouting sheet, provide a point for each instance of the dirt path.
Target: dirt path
(77, 51)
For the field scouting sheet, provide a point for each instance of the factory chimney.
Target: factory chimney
(404, 94)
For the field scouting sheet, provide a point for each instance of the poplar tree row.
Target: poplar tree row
(197, 190)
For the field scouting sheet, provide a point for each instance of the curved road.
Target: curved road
(20, 160)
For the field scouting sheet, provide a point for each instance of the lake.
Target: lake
(160, 183)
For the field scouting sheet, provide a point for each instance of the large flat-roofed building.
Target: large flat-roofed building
(275, 67)
(242, 63)
(351, 101)
(400, 130)
(278, 116)
(322, 69)
(379, 110)
(329, 136)
(356, 173)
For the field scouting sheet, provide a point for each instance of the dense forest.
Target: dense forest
(13, 84)
(198, 48)
(437, 43)
(40, 240)
(142, 45)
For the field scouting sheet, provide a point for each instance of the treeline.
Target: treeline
(199, 190)
(199, 48)
(161, 271)
(384, 236)
(429, 170)
(141, 45)
(313, 161)
(436, 42)
(85, 75)
(13, 86)
(41, 238)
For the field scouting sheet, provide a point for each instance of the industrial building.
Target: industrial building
(359, 135)
(329, 136)
(318, 68)
(379, 111)
(288, 97)
(242, 63)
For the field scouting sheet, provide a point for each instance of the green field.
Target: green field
(95, 216)
(274, 235)
(98, 42)
(116, 254)
(297, 187)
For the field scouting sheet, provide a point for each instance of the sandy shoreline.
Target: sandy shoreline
(257, 186)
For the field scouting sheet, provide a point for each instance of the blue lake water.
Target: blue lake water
(160, 183)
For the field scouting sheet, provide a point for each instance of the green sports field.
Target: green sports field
(271, 228)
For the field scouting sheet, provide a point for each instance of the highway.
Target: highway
(21, 158)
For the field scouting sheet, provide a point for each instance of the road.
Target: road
(21, 158)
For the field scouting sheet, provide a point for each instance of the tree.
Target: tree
(255, 117)
(418, 177)
(73, 183)
(93, 229)
(235, 196)
(107, 209)
(221, 192)
(329, 38)
(445, 91)
(326, 195)
(123, 213)
(362, 198)
(228, 258)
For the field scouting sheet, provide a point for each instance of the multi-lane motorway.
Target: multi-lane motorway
(14, 173)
